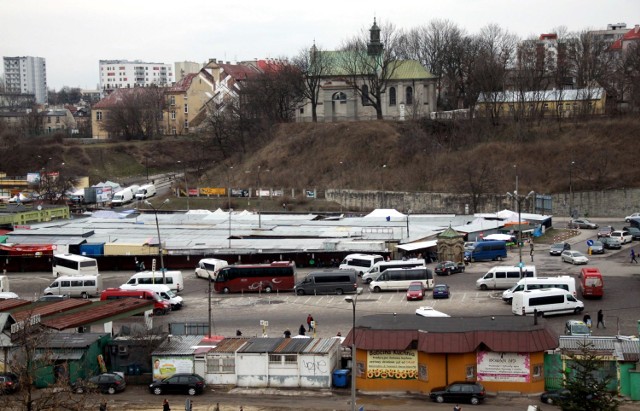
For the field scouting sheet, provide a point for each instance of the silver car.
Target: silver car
(574, 257)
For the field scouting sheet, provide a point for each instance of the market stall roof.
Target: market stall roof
(418, 245)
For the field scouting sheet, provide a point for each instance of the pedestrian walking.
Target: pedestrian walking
(309, 322)
(457, 408)
(531, 251)
(103, 405)
(302, 330)
(600, 319)
(587, 320)
(633, 257)
(165, 405)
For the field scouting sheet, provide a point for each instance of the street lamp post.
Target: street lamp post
(571, 189)
(229, 187)
(353, 300)
(160, 251)
(186, 185)
(519, 199)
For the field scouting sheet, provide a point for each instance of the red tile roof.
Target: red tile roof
(47, 309)
(182, 85)
(102, 310)
(239, 72)
(118, 96)
(631, 35)
(9, 305)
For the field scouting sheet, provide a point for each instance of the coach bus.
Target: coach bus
(277, 276)
(71, 264)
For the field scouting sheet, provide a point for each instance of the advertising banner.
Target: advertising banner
(503, 366)
(398, 365)
(164, 367)
(211, 191)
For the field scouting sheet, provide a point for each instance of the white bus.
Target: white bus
(71, 264)
(380, 266)
(546, 301)
(401, 278)
(564, 282)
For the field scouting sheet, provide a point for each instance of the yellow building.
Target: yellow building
(543, 103)
(185, 102)
(404, 352)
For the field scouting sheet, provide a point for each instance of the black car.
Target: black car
(558, 248)
(634, 231)
(107, 383)
(471, 392)
(552, 396)
(9, 383)
(448, 268)
(191, 384)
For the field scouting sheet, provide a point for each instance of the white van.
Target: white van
(503, 277)
(146, 191)
(172, 278)
(162, 290)
(380, 266)
(125, 196)
(401, 278)
(564, 282)
(547, 301)
(84, 286)
(207, 267)
(361, 263)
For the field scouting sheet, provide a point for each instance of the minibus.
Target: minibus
(328, 282)
(360, 262)
(546, 301)
(171, 278)
(380, 266)
(564, 282)
(84, 286)
(72, 264)
(504, 277)
(591, 283)
(401, 278)
(487, 250)
(208, 267)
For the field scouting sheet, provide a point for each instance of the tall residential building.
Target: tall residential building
(128, 74)
(26, 75)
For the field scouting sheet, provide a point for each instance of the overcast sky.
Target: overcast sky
(72, 35)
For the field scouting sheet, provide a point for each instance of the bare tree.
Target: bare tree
(369, 62)
(314, 65)
(138, 113)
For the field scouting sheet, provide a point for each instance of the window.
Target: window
(392, 96)
(186, 108)
(186, 124)
(537, 371)
(470, 372)
(423, 372)
(301, 110)
(173, 114)
(409, 95)
(340, 96)
(365, 95)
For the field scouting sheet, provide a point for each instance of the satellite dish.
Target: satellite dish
(39, 208)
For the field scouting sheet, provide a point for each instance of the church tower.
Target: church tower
(374, 47)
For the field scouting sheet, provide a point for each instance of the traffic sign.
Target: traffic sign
(589, 243)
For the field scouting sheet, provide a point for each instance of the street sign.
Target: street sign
(521, 264)
(589, 243)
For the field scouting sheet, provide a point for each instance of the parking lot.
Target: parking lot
(286, 310)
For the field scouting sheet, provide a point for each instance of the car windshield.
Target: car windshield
(558, 245)
(597, 244)
(415, 287)
(579, 329)
(440, 288)
(577, 254)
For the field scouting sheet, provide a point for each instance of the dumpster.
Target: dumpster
(341, 378)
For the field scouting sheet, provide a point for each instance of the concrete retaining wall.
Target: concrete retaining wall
(604, 203)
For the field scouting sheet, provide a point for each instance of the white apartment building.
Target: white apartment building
(128, 74)
(26, 75)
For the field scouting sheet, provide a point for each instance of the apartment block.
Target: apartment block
(116, 74)
(26, 75)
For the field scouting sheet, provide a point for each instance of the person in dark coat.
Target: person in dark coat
(302, 330)
(165, 405)
(287, 334)
(600, 319)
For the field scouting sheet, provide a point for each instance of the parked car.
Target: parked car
(583, 223)
(448, 268)
(611, 243)
(191, 384)
(574, 257)
(558, 248)
(552, 396)
(107, 383)
(605, 231)
(471, 392)
(441, 291)
(576, 327)
(597, 247)
(9, 383)
(630, 216)
(415, 291)
(624, 236)
(634, 231)
(52, 297)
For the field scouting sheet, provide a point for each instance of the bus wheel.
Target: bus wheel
(225, 290)
(300, 292)
(268, 289)
(84, 295)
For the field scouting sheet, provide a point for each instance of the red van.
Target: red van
(591, 283)
(160, 306)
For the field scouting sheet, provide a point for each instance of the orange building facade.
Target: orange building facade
(417, 354)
